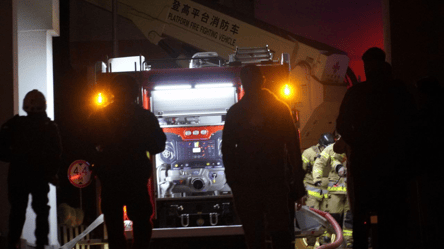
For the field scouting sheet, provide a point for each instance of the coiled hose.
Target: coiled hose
(336, 227)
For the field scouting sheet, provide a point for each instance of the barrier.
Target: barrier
(71, 244)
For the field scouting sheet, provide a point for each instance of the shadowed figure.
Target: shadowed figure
(263, 164)
(32, 146)
(122, 133)
(376, 121)
(428, 136)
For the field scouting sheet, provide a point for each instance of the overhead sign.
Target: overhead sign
(203, 21)
(79, 173)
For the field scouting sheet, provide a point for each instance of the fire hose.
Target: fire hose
(336, 227)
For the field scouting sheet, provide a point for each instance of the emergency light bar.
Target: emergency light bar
(204, 85)
(193, 101)
(171, 87)
(216, 85)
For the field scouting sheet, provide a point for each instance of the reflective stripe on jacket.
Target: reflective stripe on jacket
(308, 159)
(326, 165)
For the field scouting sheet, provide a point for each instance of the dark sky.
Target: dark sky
(351, 26)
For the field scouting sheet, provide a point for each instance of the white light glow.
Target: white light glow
(100, 99)
(126, 64)
(172, 87)
(209, 94)
(216, 85)
(287, 90)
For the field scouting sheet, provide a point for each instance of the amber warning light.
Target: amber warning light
(100, 99)
(287, 91)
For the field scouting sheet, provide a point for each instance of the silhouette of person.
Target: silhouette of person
(263, 163)
(429, 134)
(375, 120)
(32, 146)
(123, 132)
(372, 58)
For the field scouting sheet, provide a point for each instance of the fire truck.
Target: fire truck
(189, 182)
(317, 71)
(188, 186)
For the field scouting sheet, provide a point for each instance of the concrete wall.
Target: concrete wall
(27, 55)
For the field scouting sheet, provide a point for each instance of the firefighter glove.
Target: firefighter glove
(341, 170)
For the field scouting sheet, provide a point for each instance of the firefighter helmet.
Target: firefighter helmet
(326, 139)
(34, 101)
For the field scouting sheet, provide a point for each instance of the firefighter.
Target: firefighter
(332, 166)
(315, 194)
(122, 133)
(260, 151)
(32, 146)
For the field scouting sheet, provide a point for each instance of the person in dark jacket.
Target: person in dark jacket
(32, 146)
(429, 134)
(123, 134)
(375, 120)
(263, 163)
